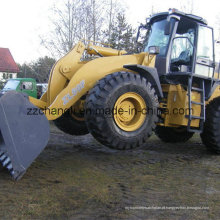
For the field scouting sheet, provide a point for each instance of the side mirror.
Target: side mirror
(167, 29)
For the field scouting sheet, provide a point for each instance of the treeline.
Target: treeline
(39, 69)
(94, 20)
(73, 20)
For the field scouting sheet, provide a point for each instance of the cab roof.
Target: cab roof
(179, 13)
(23, 79)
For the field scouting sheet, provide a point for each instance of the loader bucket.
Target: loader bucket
(23, 135)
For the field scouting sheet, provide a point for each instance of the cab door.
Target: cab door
(205, 62)
(29, 88)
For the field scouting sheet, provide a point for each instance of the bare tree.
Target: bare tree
(112, 9)
(61, 39)
(38, 69)
(71, 22)
(110, 18)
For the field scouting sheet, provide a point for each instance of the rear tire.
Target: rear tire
(1, 168)
(211, 132)
(133, 130)
(173, 135)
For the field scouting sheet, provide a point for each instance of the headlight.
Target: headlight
(154, 50)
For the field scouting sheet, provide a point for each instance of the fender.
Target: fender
(150, 74)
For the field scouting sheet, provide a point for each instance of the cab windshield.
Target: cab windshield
(11, 85)
(156, 37)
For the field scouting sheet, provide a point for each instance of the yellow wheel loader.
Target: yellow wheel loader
(172, 86)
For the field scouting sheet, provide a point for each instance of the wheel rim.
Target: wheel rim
(77, 111)
(130, 111)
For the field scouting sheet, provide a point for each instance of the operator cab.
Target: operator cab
(183, 43)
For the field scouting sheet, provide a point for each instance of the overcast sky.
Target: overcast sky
(22, 21)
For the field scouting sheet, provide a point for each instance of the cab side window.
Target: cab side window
(183, 47)
(27, 86)
(205, 44)
(205, 53)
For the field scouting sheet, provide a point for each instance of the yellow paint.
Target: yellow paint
(149, 60)
(215, 94)
(104, 51)
(77, 110)
(38, 102)
(71, 78)
(176, 106)
(216, 75)
(68, 73)
(129, 110)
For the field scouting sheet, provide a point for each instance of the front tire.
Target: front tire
(211, 132)
(121, 130)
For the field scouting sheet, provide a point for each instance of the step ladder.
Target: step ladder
(201, 90)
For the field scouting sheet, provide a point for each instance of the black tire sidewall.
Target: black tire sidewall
(111, 125)
(70, 125)
(210, 135)
(104, 96)
(171, 135)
